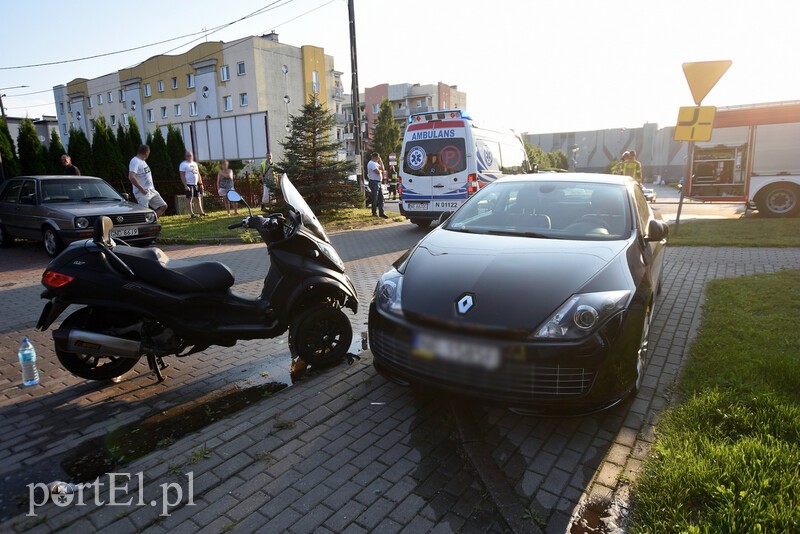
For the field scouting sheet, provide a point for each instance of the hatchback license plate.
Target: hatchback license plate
(124, 232)
(457, 351)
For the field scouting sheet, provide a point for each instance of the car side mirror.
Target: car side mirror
(657, 230)
(126, 196)
(27, 200)
(444, 216)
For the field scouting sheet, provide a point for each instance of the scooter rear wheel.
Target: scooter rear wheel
(91, 366)
(320, 335)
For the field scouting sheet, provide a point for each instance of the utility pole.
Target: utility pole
(354, 89)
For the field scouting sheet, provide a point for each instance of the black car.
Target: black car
(537, 293)
(61, 209)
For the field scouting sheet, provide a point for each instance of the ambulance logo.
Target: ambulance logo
(416, 158)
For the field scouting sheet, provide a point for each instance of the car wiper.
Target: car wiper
(464, 230)
(522, 234)
(87, 199)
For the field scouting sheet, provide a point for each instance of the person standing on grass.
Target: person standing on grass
(192, 183)
(375, 174)
(142, 179)
(225, 184)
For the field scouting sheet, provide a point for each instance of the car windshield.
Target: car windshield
(77, 190)
(547, 209)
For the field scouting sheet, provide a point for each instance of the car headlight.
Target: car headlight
(388, 292)
(81, 222)
(150, 217)
(582, 314)
(330, 252)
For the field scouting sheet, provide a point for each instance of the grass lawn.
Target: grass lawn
(727, 459)
(746, 232)
(182, 229)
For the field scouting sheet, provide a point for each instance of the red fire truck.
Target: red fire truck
(753, 156)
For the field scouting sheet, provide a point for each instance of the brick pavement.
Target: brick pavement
(360, 454)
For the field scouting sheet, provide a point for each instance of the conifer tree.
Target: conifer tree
(31, 155)
(126, 151)
(386, 134)
(54, 153)
(311, 160)
(175, 147)
(8, 152)
(134, 135)
(80, 151)
(106, 163)
(165, 178)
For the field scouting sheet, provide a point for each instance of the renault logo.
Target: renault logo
(120, 218)
(465, 304)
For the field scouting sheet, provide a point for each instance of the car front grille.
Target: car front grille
(127, 218)
(513, 381)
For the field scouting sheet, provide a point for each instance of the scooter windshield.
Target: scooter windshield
(296, 200)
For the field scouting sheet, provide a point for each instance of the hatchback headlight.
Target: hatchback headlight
(582, 314)
(150, 217)
(81, 222)
(388, 292)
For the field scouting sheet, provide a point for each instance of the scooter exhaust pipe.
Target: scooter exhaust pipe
(86, 342)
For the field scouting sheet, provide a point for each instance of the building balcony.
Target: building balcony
(341, 118)
(347, 136)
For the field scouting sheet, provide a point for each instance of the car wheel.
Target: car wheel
(779, 200)
(320, 335)
(6, 239)
(421, 223)
(53, 244)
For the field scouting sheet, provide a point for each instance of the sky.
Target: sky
(534, 66)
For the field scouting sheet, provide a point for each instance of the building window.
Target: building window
(163, 112)
(110, 96)
(151, 116)
(189, 81)
(125, 119)
(113, 120)
(64, 128)
(177, 110)
(225, 73)
(160, 86)
(174, 82)
(315, 82)
(227, 103)
(193, 109)
(375, 108)
(121, 95)
(90, 103)
(243, 99)
(61, 107)
(240, 68)
(91, 125)
(147, 91)
(419, 103)
(100, 99)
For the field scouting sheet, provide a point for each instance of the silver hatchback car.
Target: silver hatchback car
(61, 209)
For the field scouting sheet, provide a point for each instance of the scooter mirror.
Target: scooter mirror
(233, 196)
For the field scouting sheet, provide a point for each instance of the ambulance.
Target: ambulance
(446, 158)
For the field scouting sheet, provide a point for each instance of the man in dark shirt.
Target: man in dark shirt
(69, 168)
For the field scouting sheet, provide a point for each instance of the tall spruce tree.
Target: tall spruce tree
(80, 151)
(8, 152)
(106, 166)
(175, 147)
(134, 135)
(31, 156)
(54, 153)
(165, 178)
(310, 160)
(386, 133)
(124, 145)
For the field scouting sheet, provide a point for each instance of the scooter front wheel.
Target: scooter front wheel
(91, 366)
(320, 335)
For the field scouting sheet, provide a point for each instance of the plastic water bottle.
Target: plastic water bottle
(27, 358)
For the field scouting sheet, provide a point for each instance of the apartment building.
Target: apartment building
(230, 100)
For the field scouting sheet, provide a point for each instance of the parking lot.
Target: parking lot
(361, 453)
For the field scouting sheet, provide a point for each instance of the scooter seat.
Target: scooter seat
(154, 266)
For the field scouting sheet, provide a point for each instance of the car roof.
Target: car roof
(54, 177)
(613, 179)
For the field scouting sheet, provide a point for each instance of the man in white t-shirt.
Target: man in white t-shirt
(375, 175)
(142, 179)
(193, 183)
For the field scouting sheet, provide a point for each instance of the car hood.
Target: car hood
(515, 282)
(95, 207)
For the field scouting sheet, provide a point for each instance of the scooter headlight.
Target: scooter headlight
(582, 314)
(388, 292)
(331, 254)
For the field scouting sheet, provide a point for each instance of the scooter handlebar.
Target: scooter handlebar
(236, 225)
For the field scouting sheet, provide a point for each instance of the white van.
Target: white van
(446, 159)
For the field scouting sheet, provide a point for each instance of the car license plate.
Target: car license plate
(457, 351)
(417, 206)
(446, 204)
(123, 232)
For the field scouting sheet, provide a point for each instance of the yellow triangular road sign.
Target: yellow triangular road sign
(703, 75)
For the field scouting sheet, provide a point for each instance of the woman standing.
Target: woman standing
(225, 184)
